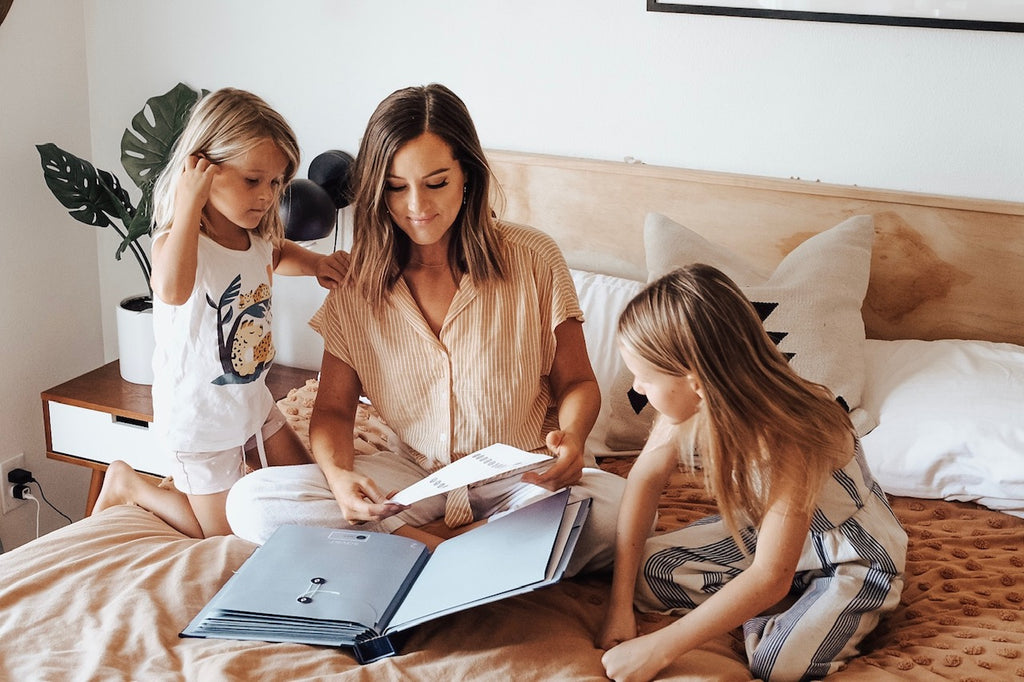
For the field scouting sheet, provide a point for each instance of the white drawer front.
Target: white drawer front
(101, 437)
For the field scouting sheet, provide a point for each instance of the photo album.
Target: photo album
(363, 589)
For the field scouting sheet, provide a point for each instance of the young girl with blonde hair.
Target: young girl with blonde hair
(218, 240)
(806, 554)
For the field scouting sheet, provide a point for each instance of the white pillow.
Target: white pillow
(810, 305)
(950, 420)
(603, 298)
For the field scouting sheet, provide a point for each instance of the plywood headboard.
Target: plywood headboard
(942, 267)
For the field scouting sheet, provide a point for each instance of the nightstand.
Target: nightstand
(99, 417)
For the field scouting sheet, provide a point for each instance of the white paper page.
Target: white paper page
(562, 539)
(491, 462)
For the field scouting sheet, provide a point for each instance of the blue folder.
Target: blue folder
(361, 589)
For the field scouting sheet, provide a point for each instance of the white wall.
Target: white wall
(930, 110)
(49, 310)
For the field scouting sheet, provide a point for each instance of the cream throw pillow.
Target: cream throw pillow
(810, 305)
(602, 298)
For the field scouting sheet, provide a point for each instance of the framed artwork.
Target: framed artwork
(978, 15)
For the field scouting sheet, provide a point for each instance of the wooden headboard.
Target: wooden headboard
(942, 267)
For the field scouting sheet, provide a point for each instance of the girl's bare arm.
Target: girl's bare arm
(175, 253)
(781, 538)
(292, 259)
(644, 485)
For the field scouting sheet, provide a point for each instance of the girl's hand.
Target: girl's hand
(619, 626)
(331, 269)
(359, 498)
(568, 467)
(637, 660)
(194, 187)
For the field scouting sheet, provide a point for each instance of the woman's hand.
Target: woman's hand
(359, 498)
(330, 270)
(568, 467)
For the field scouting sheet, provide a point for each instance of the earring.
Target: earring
(465, 193)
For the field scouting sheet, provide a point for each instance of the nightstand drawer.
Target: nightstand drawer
(103, 437)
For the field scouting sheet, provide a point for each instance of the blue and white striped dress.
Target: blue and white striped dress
(850, 573)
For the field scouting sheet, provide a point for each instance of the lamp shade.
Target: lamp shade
(307, 211)
(332, 170)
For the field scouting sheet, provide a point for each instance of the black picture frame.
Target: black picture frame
(1012, 22)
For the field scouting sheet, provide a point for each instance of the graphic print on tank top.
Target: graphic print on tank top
(243, 333)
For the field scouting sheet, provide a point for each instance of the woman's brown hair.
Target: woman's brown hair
(380, 251)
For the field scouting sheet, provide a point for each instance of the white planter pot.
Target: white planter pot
(135, 340)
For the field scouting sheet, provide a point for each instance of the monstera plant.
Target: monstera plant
(96, 197)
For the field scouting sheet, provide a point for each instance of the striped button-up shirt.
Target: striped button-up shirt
(484, 378)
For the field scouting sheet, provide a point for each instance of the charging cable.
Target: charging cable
(26, 494)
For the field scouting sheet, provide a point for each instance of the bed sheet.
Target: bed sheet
(106, 597)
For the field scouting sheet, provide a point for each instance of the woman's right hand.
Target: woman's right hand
(360, 499)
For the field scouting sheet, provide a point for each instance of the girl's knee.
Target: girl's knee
(118, 472)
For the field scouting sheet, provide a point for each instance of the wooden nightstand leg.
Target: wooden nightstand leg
(95, 484)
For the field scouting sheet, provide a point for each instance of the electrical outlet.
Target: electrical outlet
(9, 501)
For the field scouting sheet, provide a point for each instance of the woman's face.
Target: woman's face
(424, 189)
(675, 397)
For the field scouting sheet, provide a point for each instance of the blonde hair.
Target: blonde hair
(380, 251)
(760, 424)
(222, 126)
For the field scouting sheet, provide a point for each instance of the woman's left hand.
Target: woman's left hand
(567, 470)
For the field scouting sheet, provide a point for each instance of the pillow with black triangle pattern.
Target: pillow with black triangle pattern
(810, 306)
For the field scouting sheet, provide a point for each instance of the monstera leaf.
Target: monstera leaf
(146, 145)
(96, 197)
(140, 225)
(91, 195)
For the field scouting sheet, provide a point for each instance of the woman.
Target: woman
(462, 331)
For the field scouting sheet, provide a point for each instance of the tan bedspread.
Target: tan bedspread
(105, 598)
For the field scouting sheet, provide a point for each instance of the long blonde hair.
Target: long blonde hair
(380, 251)
(760, 424)
(224, 125)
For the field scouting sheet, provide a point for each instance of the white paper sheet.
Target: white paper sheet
(492, 462)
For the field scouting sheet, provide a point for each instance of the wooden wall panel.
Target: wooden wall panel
(942, 267)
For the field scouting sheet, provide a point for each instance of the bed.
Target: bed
(910, 307)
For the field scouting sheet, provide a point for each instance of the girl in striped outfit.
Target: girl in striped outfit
(805, 555)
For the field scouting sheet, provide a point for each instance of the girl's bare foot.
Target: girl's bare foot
(124, 485)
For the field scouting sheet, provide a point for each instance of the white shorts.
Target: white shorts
(206, 473)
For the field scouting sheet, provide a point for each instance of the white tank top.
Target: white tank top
(213, 352)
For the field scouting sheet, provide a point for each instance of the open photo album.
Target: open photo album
(359, 589)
